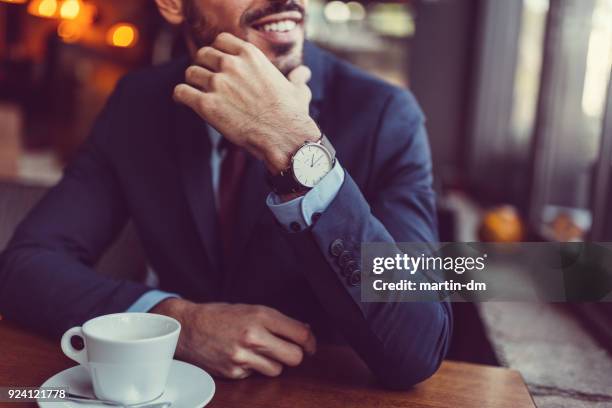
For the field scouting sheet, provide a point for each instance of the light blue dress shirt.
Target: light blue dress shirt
(300, 209)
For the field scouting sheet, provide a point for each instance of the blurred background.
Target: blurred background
(519, 105)
(515, 93)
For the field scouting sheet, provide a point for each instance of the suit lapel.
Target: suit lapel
(314, 59)
(191, 134)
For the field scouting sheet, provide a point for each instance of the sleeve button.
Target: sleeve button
(336, 247)
(349, 268)
(344, 258)
(295, 227)
(355, 278)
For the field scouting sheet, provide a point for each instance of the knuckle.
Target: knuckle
(227, 63)
(222, 36)
(260, 312)
(236, 373)
(296, 358)
(237, 355)
(215, 81)
(249, 49)
(202, 52)
(191, 73)
(276, 370)
(204, 105)
(250, 337)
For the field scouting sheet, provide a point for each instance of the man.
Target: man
(258, 252)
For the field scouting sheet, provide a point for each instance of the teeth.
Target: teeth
(280, 26)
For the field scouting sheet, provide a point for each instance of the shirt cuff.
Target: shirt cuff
(149, 300)
(297, 214)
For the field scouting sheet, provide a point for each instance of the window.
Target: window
(575, 76)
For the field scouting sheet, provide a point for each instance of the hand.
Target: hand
(233, 340)
(236, 89)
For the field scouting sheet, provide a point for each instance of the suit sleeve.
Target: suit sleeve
(47, 281)
(402, 343)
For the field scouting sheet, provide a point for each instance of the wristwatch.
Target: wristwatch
(309, 164)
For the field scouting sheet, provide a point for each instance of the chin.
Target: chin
(287, 64)
(288, 58)
(284, 50)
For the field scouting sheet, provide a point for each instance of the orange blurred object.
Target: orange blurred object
(70, 9)
(43, 8)
(14, 1)
(72, 30)
(502, 224)
(122, 35)
(69, 31)
(565, 229)
(88, 13)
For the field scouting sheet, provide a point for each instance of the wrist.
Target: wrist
(279, 150)
(172, 307)
(177, 309)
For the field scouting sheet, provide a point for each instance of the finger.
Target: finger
(263, 365)
(229, 43)
(305, 93)
(291, 329)
(198, 77)
(210, 58)
(193, 98)
(269, 345)
(187, 95)
(300, 75)
(237, 373)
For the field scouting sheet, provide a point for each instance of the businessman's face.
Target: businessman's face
(274, 26)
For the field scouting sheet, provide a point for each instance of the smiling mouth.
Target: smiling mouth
(282, 26)
(279, 23)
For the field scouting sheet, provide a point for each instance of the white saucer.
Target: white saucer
(188, 387)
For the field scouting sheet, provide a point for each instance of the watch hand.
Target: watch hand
(312, 161)
(320, 157)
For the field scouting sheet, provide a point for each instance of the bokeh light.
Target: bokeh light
(70, 9)
(122, 35)
(337, 12)
(43, 8)
(69, 31)
(357, 11)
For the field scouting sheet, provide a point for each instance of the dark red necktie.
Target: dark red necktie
(232, 170)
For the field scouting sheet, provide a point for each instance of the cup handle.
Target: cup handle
(80, 356)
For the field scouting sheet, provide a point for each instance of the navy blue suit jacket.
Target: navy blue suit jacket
(147, 160)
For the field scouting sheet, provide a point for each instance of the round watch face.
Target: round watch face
(311, 163)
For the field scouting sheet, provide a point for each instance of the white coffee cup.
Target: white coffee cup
(128, 355)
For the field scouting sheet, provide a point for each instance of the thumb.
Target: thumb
(300, 75)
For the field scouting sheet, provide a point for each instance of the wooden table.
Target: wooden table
(335, 377)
